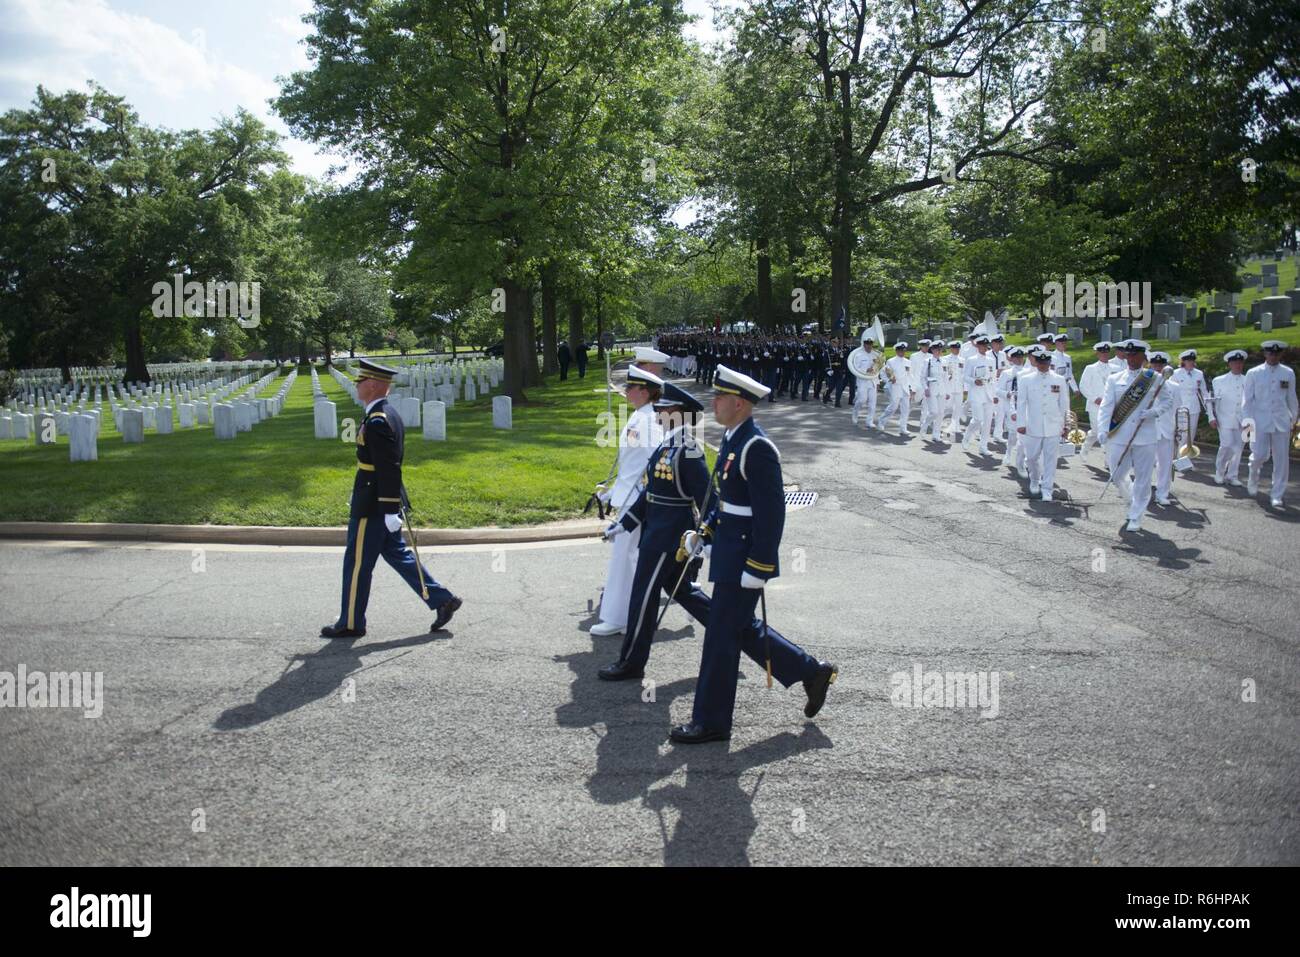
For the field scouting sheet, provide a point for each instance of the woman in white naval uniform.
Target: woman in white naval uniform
(1225, 415)
(638, 440)
(1270, 400)
(1093, 386)
(1008, 391)
(1165, 427)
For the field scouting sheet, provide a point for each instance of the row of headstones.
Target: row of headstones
(430, 416)
(157, 415)
(231, 418)
(159, 372)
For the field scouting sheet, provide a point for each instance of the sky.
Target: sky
(179, 63)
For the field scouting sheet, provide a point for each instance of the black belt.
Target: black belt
(672, 500)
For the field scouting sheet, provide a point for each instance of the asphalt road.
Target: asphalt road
(231, 734)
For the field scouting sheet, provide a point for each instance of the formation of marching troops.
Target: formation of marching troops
(983, 391)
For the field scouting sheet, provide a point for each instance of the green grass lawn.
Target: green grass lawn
(279, 474)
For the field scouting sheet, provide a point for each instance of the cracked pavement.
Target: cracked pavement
(1121, 663)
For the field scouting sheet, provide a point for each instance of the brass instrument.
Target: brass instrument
(1073, 434)
(1295, 439)
(889, 374)
(1187, 450)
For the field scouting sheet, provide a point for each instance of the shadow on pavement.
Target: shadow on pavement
(322, 673)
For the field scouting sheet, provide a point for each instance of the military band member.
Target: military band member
(1193, 390)
(1270, 402)
(865, 364)
(1000, 363)
(898, 388)
(1166, 444)
(954, 366)
(1062, 364)
(743, 527)
(638, 438)
(1008, 394)
(979, 387)
(917, 361)
(1042, 400)
(375, 515)
(933, 394)
(1225, 415)
(1133, 399)
(1093, 386)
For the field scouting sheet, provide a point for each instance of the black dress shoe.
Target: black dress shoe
(697, 734)
(445, 611)
(334, 631)
(817, 686)
(619, 672)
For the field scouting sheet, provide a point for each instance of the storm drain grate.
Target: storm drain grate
(795, 500)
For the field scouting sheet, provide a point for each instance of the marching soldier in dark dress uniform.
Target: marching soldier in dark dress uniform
(676, 487)
(742, 531)
(378, 499)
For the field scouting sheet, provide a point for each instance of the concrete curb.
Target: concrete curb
(275, 535)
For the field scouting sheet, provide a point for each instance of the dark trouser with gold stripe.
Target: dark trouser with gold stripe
(658, 572)
(368, 538)
(731, 629)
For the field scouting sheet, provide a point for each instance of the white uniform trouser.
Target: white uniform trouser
(866, 396)
(1165, 451)
(952, 409)
(1015, 452)
(999, 418)
(1042, 454)
(618, 579)
(1139, 462)
(1227, 464)
(931, 412)
(1093, 412)
(900, 400)
(1270, 445)
(981, 420)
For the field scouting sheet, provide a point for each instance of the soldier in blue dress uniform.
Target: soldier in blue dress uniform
(742, 532)
(375, 521)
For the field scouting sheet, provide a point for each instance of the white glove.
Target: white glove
(612, 531)
(692, 543)
(393, 522)
(751, 581)
(1145, 414)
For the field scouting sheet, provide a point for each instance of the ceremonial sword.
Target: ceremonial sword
(415, 547)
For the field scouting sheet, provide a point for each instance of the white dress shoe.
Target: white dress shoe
(604, 629)
(1047, 496)
(1162, 501)
(1218, 480)
(1033, 489)
(1134, 525)
(1276, 503)
(1235, 483)
(1252, 488)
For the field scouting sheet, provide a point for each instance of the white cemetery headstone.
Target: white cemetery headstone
(409, 410)
(435, 420)
(327, 425)
(243, 417)
(82, 442)
(186, 411)
(223, 421)
(470, 392)
(163, 420)
(6, 426)
(502, 415)
(132, 425)
(46, 428)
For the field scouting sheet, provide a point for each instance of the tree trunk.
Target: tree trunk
(764, 284)
(575, 321)
(136, 370)
(842, 221)
(600, 325)
(550, 364)
(513, 340)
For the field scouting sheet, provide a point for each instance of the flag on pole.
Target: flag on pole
(877, 332)
(841, 324)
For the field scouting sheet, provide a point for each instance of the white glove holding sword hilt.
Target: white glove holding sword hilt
(612, 531)
(393, 522)
(693, 545)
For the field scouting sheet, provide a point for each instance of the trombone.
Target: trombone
(1188, 450)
